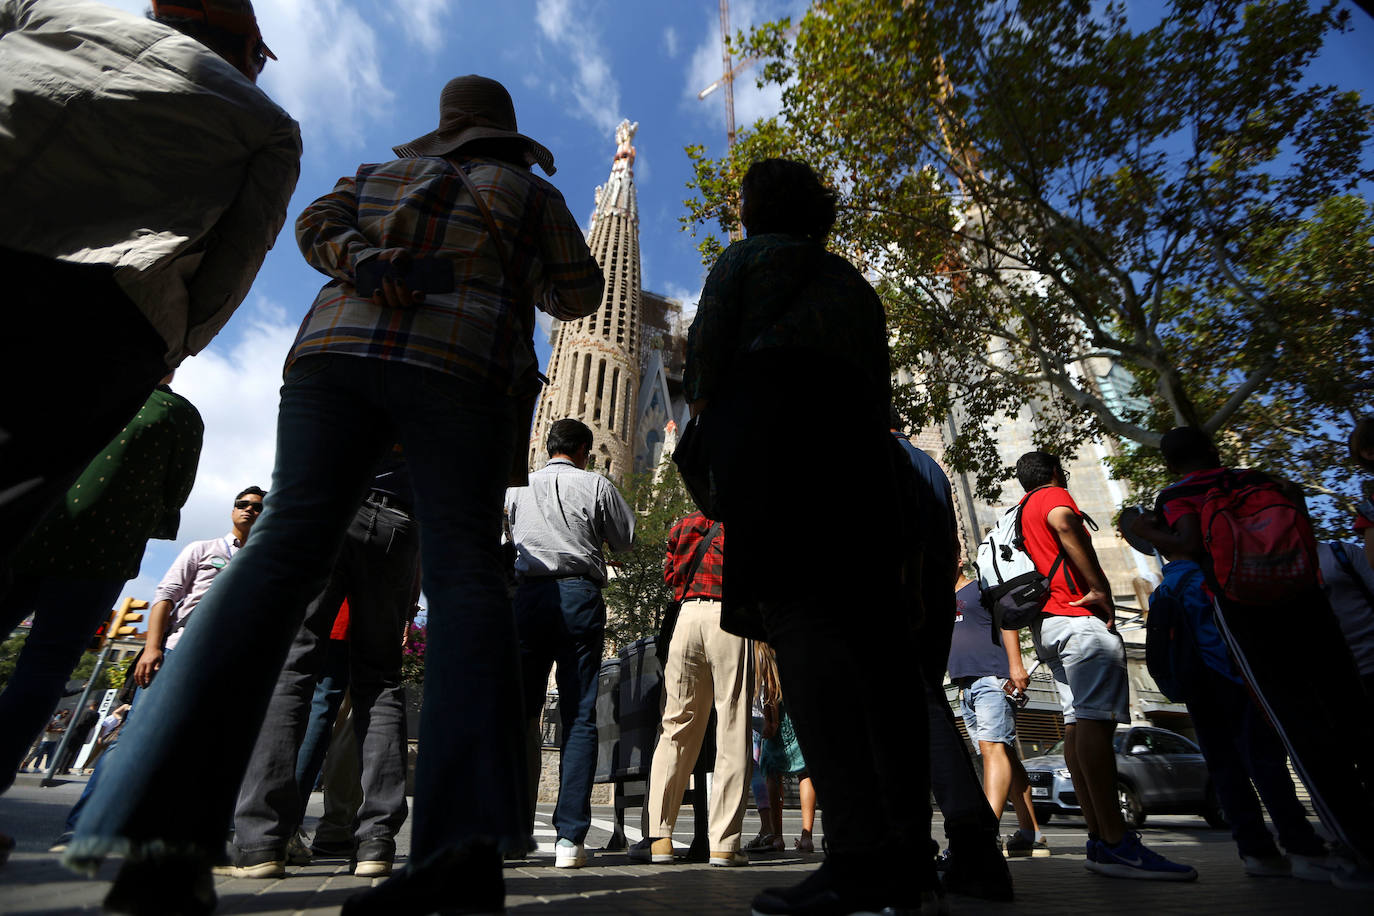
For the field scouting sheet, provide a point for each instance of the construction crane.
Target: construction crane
(728, 74)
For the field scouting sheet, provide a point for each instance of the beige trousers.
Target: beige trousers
(706, 667)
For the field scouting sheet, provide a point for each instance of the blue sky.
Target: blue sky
(364, 75)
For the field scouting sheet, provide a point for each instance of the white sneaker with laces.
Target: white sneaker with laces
(567, 854)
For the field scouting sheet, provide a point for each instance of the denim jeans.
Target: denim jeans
(376, 572)
(330, 689)
(563, 622)
(176, 786)
(66, 614)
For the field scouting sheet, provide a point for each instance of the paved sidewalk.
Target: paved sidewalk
(33, 882)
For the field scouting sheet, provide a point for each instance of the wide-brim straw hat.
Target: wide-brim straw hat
(474, 108)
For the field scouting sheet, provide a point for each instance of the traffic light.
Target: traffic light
(98, 639)
(122, 624)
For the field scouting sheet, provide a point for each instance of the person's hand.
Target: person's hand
(393, 291)
(1100, 603)
(148, 664)
(1019, 678)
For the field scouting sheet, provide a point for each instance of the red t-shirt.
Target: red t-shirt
(1043, 546)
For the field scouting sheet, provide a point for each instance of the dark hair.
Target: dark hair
(894, 418)
(1036, 469)
(255, 491)
(784, 196)
(1362, 437)
(567, 436)
(1188, 448)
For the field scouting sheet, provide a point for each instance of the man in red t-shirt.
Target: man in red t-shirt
(1076, 636)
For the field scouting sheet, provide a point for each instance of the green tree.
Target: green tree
(1041, 189)
(636, 595)
(85, 666)
(9, 655)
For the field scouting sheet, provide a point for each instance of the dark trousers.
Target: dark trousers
(66, 613)
(1294, 657)
(847, 690)
(376, 572)
(73, 322)
(563, 622)
(970, 823)
(1241, 746)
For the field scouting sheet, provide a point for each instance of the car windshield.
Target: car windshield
(1118, 740)
(1057, 750)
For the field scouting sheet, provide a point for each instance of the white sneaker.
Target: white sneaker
(1314, 868)
(1267, 866)
(728, 859)
(568, 854)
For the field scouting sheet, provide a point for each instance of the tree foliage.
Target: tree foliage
(1042, 189)
(636, 595)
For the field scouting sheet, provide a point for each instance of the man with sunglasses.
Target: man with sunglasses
(181, 589)
(187, 581)
(145, 175)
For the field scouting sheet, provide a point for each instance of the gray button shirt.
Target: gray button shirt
(560, 520)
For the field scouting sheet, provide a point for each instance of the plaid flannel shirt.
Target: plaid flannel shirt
(481, 331)
(682, 543)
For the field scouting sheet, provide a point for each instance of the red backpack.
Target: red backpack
(1259, 540)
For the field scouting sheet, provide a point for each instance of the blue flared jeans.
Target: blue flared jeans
(173, 788)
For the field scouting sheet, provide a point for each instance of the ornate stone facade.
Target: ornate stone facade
(594, 370)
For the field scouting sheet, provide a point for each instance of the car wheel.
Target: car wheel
(1132, 811)
(1044, 815)
(1212, 814)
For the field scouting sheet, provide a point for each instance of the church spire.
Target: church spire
(594, 369)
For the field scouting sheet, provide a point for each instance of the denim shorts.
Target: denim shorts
(988, 715)
(1089, 665)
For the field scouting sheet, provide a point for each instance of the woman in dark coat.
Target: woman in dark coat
(787, 359)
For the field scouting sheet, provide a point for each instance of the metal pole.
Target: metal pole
(48, 778)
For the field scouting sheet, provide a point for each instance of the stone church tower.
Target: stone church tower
(594, 369)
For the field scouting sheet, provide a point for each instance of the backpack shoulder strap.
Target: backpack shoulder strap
(699, 554)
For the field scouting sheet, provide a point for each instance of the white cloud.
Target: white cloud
(329, 72)
(670, 42)
(593, 89)
(687, 297)
(235, 388)
(423, 20)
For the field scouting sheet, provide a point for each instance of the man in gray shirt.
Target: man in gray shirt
(558, 524)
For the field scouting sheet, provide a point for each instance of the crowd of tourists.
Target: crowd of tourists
(400, 465)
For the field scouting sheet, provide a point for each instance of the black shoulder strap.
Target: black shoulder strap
(699, 554)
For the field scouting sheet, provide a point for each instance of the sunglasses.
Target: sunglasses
(248, 504)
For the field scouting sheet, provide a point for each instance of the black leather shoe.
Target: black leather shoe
(983, 876)
(450, 882)
(166, 886)
(821, 894)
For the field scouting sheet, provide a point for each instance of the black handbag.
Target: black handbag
(694, 457)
